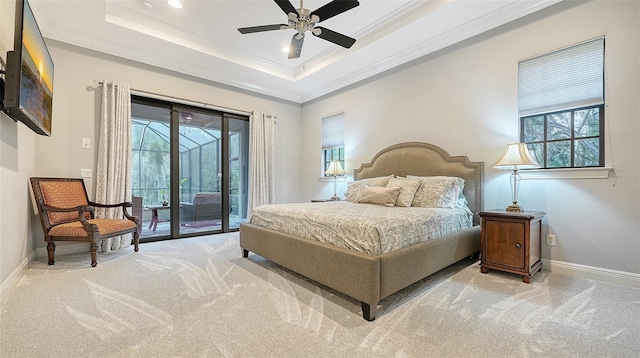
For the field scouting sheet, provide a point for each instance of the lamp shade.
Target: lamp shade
(335, 168)
(516, 156)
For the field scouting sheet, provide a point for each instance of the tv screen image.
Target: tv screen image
(29, 85)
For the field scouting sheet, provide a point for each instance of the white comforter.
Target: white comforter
(368, 228)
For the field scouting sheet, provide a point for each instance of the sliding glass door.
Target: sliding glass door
(190, 169)
(200, 171)
(150, 164)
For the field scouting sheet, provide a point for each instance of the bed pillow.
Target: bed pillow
(438, 192)
(409, 187)
(382, 195)
(354, 188)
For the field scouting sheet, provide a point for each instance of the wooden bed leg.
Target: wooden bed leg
(245, 253)
(369, 311)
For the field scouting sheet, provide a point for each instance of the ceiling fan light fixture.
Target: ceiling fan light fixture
(302, 20)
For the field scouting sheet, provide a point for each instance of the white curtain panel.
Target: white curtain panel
(261, 160)
(113, 174)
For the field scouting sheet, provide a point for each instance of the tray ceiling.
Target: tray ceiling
(202, 39)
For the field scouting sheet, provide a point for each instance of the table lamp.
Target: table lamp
(334, 170)
(516, 156)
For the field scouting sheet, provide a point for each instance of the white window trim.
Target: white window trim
(566, 173)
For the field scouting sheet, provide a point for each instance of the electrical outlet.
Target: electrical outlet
(86, 143)
(85, 173)
(551, 239)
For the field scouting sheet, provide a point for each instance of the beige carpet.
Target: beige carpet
(198, 298)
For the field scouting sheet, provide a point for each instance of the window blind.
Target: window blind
(333, 131)
(568, 78)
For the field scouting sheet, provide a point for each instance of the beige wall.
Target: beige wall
(17, 164)
(464, 99)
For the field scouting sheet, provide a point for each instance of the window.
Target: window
(333, 140)
(561, 106)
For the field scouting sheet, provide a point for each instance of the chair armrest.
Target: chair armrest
(81, 209)
(126, 204)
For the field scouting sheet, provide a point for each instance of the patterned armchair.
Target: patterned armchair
(66, 214)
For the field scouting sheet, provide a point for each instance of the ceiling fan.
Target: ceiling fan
(302, 20)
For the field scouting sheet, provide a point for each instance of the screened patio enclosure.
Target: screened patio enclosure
(200, 168)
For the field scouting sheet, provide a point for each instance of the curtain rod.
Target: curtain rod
(183, 101)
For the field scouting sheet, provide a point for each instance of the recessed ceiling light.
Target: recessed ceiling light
(176, 4)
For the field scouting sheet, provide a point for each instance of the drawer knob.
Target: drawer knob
(518, 245)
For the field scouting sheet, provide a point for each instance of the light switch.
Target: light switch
(85, 173)
(86, 143)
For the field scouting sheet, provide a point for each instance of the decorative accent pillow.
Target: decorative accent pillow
(438, 192)
(409, 187)
(379, 195)
(354, 188)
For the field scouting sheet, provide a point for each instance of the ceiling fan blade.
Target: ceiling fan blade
(336, 7)
(296, 46)
(286, 6)
(336, 38)
(249, 30)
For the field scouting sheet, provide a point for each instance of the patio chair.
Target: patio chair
(66, 214)
(136, 209)
(205, 207)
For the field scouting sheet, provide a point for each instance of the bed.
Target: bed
(366, 277)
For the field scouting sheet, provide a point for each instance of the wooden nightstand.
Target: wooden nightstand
(511, 242)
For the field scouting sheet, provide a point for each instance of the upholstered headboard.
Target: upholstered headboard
(424, 159)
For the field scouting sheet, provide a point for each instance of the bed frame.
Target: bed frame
(370, 278)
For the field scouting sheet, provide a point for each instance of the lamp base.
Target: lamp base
(335, 197)
(515, 208)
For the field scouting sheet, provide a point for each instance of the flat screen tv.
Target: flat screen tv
(28, 94)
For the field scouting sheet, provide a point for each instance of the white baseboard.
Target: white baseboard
(61, 249)
(594, 273)
(14, 278)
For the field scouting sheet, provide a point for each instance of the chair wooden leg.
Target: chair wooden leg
(51, 252)
(94, 254)
(136, 241)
